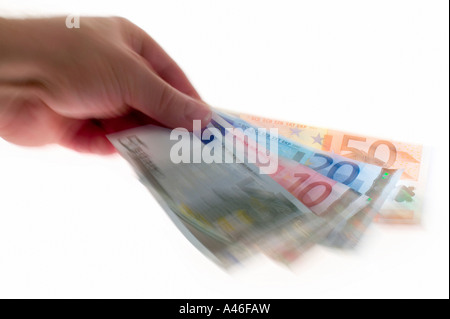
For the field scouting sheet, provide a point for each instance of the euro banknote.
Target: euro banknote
(316, 191)
(336, 202)
(231, 209)
(405, 202)
(223, 209)
(371, 180)
(332, 201)
(376, 182)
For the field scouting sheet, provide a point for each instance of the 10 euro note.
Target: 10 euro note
(335, 202)
(404, 205)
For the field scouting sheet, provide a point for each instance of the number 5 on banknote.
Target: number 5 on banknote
(370, 156)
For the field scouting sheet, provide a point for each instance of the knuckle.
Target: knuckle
(122, 20)
(13, 107)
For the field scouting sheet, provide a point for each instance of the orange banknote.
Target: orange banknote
(405, 202)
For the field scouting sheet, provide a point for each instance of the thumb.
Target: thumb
(151, 95)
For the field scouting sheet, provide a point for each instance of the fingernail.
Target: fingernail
(197, 111)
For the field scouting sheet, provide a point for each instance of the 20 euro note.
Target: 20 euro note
(223, 209)
(405, 203)
(371, 180)
(330, 200)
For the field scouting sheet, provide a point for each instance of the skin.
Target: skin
(73, 86)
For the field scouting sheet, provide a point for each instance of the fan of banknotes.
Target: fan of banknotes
(245, 184)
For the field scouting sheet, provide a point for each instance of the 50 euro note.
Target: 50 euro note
(404, 204)
(330, 200)
(223, 209)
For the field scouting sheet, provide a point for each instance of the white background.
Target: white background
(75, 225)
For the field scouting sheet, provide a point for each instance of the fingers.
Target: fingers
(151, 95)
(131, 120)
(165, 66)
(26, 120)
(85, 136)
(89, 136)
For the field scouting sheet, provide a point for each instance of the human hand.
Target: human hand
(71, 86)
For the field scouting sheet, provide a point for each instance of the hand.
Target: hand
(70, 86)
